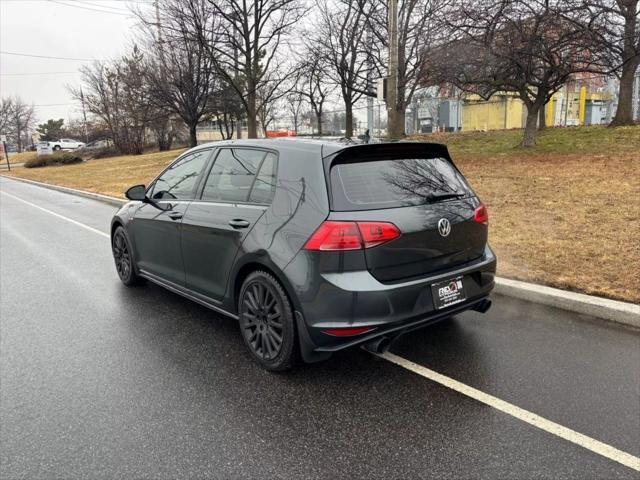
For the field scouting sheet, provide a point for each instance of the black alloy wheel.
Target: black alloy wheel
(122, 256)
(266, 322)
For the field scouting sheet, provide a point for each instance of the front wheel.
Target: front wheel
(123, 257)
(266, 322)
(57, 148)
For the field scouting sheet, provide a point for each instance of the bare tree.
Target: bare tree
(246, 47)
(420, 31)
(228, 110)
(17, 120)
(6, 110)
(295, 104)
(522, 46)
(180, 71)
(312, 84)
(116, 92)
(340, 40)
(615, 25)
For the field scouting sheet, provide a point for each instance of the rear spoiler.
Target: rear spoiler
(386, 151)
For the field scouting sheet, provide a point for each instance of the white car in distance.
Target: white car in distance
(65, 144)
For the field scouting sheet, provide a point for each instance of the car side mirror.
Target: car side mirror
(137, 192)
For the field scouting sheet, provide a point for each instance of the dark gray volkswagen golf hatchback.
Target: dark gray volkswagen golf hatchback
(312, 246)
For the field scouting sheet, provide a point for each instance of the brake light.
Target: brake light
(481, 215)
(335, 236)
(377, 233)
(338, 236)
(347, 332)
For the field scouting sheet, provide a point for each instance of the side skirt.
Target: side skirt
(187, 293)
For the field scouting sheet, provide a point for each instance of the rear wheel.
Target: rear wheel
(266, 322)
(123, 257)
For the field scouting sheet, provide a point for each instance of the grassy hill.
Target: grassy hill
(564, 214)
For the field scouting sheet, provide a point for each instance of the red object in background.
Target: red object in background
(276, 134)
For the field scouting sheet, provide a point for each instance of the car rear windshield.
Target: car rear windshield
(371, 185)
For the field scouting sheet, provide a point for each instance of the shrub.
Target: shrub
(64, 158)
(105, 152)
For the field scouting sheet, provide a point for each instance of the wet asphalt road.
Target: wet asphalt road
(101, 381)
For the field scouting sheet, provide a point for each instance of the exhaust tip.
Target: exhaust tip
(378, 345)
(483, 307)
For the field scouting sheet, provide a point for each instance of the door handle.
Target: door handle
(175, 215)
(239, 223)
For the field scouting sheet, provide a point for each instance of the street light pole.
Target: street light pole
(392, 82)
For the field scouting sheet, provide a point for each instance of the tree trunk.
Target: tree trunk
(624, 112)
(542, 118)
(529, 139)
(19, 135)
(348, 129)
(252, 123)
(319, 121)
(193, 137)
(397, 128)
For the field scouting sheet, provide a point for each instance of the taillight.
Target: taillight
(347, 332)
(336, 236)
(377, 233)
(481, 215)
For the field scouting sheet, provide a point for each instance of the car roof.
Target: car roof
(322, 147)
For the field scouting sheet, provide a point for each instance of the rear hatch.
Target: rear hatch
(418, 189)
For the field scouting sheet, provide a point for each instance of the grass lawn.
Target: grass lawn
(108, 176)
(563, 214)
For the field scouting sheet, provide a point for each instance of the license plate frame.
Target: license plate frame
(448, 292)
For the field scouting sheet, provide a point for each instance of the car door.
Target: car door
(236, 192)
(157, 232)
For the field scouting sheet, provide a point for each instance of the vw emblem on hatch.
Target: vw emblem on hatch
(444, 227)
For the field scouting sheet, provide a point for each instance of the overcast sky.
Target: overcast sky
(79, 29)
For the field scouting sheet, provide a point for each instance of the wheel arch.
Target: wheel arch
(255, 264)
(115, 224)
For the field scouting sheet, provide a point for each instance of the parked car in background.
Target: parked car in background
(312, 246)
(96, 145)
(65, 144)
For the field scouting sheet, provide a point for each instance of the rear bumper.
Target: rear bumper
(356, 299)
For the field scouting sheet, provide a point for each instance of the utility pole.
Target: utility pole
(392, 82)
(159, 41)
(84, 115)
(369, 79)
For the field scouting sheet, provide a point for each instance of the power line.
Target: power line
(36, 73)
(82, 1)
(18, 54)
(88, 8)
(54, 104)
(117, 9)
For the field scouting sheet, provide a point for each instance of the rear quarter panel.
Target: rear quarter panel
(299, 206)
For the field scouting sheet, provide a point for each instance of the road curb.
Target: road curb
(612, 310)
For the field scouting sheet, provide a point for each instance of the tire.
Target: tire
(266, 322)
(123, 258)
(57, 148)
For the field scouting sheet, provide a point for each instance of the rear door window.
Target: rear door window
(241, 175)
(265, 184)
(371, 185)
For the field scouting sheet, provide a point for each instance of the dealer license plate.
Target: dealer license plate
(448, 293)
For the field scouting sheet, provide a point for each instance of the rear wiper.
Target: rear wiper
(436, 197)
